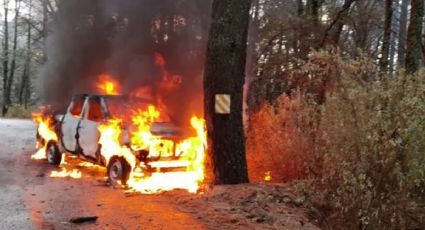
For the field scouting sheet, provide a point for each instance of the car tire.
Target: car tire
(54, 156)
(118, 170)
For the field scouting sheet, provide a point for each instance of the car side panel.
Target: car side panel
(69, 132)
(69, 128)
(89, 132)
(89, 137)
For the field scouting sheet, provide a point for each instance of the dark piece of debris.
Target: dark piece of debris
(79, 220)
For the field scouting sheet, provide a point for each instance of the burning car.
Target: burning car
(130, 137)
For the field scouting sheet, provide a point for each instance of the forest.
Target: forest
(334, 93)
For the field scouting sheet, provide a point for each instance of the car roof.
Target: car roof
(123, 97)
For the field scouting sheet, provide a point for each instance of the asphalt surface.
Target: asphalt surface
(30, 199)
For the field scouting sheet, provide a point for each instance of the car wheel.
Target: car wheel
(118, 171)
(54, 156)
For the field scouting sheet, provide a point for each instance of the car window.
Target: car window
(77, 107)
(122, 107)
(95, 112)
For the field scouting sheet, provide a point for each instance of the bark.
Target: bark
(393, 48)
(25, 82)
(252, 54)
(313, 10)
(308, 29)
(44, 34)
(414, 37)
(12, 69)
(333, 32)
(5, 56)
(297, 34)
(224, 74)
(300, 7)
(401, 53)
(385, 51)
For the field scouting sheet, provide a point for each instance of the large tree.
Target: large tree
(225, 74)
(386, 42)
(401, 51)
(414, 37)
(5, 57)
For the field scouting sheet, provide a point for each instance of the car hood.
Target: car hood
(165, 129)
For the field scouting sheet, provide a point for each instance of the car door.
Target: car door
(70, 123)
(89, 134)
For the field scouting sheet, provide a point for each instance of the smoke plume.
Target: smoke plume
(136, 42)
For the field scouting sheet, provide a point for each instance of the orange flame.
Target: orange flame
(107, 85)
(169, 81)
(191, 153)
(74, 173)
(268, 176)
(193, 158)
(46, 133)
(110, 139)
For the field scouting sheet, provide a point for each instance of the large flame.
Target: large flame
(107, 85)
(110, 140)
(126, 135)
(191, 153)
(46, 133)
(188, 153)
(141, 138)
(193, 158)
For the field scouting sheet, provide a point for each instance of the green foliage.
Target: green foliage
(18, 111)
(364, 146)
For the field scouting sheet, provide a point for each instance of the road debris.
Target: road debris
(80, 220)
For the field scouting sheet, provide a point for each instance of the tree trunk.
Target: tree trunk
(24, 85)
(394, 37)
(5, 56)
(224, 74)
(414, 37)
(402, 32)
(311, 38)
(45, 29)
(300, 7)
(333, 33)
(12, 70)
(393, 49)
(252, 56)
(385, 51)
(313, 10)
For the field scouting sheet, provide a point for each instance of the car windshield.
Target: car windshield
(123, 107)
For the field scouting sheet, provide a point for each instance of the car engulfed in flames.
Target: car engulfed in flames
(140, 146)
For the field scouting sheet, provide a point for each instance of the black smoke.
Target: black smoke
(123, 38)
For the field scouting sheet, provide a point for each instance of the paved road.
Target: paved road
(30, 199)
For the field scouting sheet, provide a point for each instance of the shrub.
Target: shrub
(363, 146)
(18, 111)
(372, 144)
(279, 141)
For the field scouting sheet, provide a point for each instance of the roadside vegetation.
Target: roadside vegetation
(358, 151)
(19, 111)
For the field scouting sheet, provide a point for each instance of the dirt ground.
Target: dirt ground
(30, 199)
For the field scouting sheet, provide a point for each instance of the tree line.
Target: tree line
(283, 32)
(24, 27)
